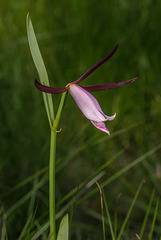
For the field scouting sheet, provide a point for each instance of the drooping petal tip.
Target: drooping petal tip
(90, 107)
(87, 103)
(101, 126)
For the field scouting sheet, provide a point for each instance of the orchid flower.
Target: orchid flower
(86, 102)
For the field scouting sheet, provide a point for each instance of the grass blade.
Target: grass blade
(115, 215)
(129, 212)
(27, 196)
(24, 230)
(42, 230)
(154, 218)
(4, 228)
(123, 170)
(103, 221)
(32, 221)
(109, 218)
(27, 180)
(30, 211)
(147, 214)
(92, 178)
(44, 235)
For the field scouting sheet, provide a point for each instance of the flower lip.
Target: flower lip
(90, 107)
(101, 126)
(88, 104)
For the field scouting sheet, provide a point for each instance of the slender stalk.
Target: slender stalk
(52, 184)
(58, 115)
(52, 168)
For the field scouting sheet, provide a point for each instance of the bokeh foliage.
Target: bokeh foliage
(73, 35)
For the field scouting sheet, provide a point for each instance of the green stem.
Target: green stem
(58, 115)
(52, 185)
(52, 169)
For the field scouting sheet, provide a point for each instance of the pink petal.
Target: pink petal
(101, 126)
(110, 118)
(87, 103)
(90, 107)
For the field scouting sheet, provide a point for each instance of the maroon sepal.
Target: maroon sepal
(92, 69)
(46, 89)
(107, 86)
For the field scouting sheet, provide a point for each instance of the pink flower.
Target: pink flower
(86, 102)
(90, 107)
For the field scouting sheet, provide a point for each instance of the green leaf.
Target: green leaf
(40, 66)
(63, 233)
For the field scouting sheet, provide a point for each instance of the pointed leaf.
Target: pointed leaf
(63, 233)
(40, 66)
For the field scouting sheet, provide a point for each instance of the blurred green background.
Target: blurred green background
(74, 35)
